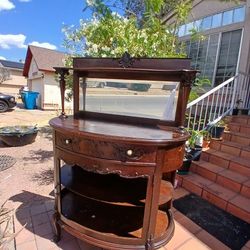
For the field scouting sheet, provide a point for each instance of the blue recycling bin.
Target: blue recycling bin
(29, 99)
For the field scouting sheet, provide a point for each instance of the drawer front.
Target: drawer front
(107, 150)
(173, 159)
(113, 151)
(64, 141)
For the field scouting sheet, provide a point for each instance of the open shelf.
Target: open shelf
(110, 188)
(124, 221)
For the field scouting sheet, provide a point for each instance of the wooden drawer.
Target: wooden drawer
(107, 150)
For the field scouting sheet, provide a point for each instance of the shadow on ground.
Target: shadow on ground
(46, 132)
(39, 156)
(45, 177)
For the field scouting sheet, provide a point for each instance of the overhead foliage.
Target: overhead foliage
(138, 29)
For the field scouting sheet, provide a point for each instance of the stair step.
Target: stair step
(242, 119)
(243, 139)
(238, 164)
(206, 169)
(222, 197)
(225, 177)
(230, 147)
(240, 128)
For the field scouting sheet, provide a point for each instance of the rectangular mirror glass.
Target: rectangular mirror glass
(136, 98)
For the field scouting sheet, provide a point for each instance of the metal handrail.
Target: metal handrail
(212, 106)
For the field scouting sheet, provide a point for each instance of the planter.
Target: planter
(216, 132)
(244, 111)
(193, 155)
(205, 144)
(18, 135)
(235, 111)
(184, 169)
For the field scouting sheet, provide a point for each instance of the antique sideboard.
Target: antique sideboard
(115, 161)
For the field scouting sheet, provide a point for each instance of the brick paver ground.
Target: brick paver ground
(28, 188)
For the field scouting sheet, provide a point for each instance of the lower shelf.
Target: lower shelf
(124, 221)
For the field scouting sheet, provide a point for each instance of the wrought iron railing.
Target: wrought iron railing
(220, 101)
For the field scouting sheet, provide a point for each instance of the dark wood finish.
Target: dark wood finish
(114, 174)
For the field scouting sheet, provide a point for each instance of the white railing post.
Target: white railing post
(220, 102)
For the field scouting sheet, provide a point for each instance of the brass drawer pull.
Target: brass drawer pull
(67, 141)
(130, 152)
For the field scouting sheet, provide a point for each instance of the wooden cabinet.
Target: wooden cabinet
(114, 173)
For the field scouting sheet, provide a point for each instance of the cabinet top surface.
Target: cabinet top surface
(113, 131)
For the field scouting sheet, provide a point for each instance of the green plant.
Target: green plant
(220, 123)
(198, 88)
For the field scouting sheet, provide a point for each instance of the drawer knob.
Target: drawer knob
(130, 152)
(67, 141)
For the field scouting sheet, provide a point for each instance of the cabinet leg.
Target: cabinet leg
(149, 245)
(57, 228)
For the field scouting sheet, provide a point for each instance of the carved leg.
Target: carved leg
(149, 245)
(57, 228)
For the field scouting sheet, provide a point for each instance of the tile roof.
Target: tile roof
(45, 59)
(13, 65)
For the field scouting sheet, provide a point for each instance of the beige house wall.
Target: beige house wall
(44, 82)
(35, 82)
(16, 81)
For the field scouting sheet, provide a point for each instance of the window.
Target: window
(206, 23)
(227, 17)
(216, 20)
(181, 31)
(189, 28)
(239, 14)
(228, 56)
(203, 55)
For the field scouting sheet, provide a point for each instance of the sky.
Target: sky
(36, 22)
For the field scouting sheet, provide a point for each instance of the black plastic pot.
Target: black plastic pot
(216, 132)
(235, 111)
(244, 111)
(18, 136)
(193, 155)
(184, 169)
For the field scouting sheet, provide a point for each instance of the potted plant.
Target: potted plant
(217, 130)
(193, 149)
(206, 139)
(236, 109)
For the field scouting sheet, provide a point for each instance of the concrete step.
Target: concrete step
(231, 147)
(225, 177)
(216, 194)
(228, 161)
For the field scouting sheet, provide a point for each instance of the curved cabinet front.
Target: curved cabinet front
(115, 194)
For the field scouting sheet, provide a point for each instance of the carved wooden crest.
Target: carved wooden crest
(126, 61)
